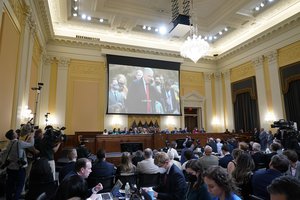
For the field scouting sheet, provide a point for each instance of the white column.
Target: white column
(25, 58)
(208, 102)
(44, 96)
(61, 91)
(219, 101)
(275, 85)
(261, 92)
(229, 121)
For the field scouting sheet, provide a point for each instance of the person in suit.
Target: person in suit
(262, 178)
(223, 162)
(284, 188)
(102, 168)
(174, 186)
(142, 95)
(208, 160)
(147, 165)
(70, 166)
(294, 168)
(171, 103)
(115, 98)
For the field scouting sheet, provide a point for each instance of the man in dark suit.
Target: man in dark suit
(171, 100)
(263, 177)
(142, 95)
(223, 162)
(174, 186)
(101, 168)
(72, 156)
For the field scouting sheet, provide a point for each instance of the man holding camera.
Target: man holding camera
(16, 157)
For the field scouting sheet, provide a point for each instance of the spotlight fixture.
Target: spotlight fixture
(101, 20)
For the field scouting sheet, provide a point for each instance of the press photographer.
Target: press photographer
(15, 160)
(50, 143)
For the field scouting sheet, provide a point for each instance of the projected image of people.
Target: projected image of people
(142, 90)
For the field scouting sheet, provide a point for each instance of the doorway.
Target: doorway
(191, 119)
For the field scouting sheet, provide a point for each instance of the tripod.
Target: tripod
(38, 90)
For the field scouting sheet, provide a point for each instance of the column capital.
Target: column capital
(272, 56)
(226, 74)
(207, 76)
(29, 20)
(218, 75)
(63, 62)
(46, 59)
(258, 62)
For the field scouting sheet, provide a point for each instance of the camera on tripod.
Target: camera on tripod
(282, 124)
(54, 136)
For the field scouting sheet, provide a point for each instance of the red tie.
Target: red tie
(148, 99)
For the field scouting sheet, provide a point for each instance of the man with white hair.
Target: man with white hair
(208, 160)
(258, 156)
(142, 95)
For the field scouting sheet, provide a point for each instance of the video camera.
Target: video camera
(27, 128)
(282, 124)
(54, 136)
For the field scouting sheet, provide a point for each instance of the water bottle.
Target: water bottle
(127, 191)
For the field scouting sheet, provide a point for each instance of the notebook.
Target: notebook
(114, 192)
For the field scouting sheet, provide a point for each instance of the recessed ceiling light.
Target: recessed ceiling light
(210, 38)
(270, 0)
(74, 14)
(149, 28)
(220, 33)
(75, 8)
(205, 38)
(156, 29)
(101, 20)
(83, 16)
(257, 8)
(262, 4)
(162, 30)
(215, 37)
(225, 29)
(75, 0)
(144, 27)
(89, 18)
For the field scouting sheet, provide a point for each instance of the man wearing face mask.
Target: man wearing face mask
(142, 95)
(115, 98)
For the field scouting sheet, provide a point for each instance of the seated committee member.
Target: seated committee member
(147, 165)
(174, 186)
(142, 95)
(102, 168)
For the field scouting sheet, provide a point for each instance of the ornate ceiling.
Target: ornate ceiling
(123, 21)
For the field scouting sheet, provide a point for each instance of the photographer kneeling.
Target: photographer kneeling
(17, 162)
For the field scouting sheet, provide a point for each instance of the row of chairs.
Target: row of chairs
(140, 180)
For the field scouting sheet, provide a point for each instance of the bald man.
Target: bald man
(208, 160)
(142, 95)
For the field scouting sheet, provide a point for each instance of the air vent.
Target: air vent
(87, 38)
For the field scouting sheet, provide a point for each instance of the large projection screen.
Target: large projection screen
(142, 86)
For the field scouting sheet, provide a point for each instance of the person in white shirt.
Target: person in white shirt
(172, 148)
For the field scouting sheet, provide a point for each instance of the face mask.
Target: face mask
(192, 178)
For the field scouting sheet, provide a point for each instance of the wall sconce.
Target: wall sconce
(270, 117)
(215, 121)
(26, 114)
(116, 121)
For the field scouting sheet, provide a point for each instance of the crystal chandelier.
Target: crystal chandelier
(194, 47)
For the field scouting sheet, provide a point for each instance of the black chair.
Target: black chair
(107, 182)
(124, 178)
(148, 180)
(36, 189)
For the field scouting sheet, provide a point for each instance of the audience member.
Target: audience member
(232, 164)
(138, 156)
(211, 142)
(274, 148)
(294, 167)
(102, 168)
(197, 189)
(188, 155)
(172, 148)
(262, 178)
(188, 146)
(126, 166)
(147, 166)
(219, 146)
(70, 166)
(263, 139)
(242, 174)
(16, 171)
(171, 156)
(174, 185)
(219, 184)
(208, 160)
(244, 146)
(258, 156)
(227, 157)
(284, 188)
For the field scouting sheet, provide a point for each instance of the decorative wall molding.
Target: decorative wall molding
(208, 76)
(258, 62)
(272, 56)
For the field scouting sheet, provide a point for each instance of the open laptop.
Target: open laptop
(115, 192)
(148, 195)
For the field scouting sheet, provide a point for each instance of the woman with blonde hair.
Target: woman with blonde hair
(126, 166)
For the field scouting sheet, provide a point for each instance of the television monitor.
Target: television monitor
(142, 86)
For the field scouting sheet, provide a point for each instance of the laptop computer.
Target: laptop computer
(148, 195)
(115, 192)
